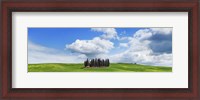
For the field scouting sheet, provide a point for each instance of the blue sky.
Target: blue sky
(116, 44)
(58, 37)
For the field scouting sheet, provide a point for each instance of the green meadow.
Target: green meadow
(114, 67)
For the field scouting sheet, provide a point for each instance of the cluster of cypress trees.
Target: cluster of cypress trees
(97, 63)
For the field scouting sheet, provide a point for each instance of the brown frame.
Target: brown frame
(9, 6)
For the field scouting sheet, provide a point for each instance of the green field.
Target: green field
(114, 67)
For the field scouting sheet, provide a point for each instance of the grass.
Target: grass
(114, 67)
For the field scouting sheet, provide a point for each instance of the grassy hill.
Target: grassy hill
(114, 67)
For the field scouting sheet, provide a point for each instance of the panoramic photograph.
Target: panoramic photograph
(100, 49)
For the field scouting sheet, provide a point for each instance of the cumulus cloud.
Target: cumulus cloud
(146, 58)
(109, 33)
(148, 46)
(140, 52)
(41, 54)
(152, 32)
(123, 45)
(91, 47)
(165, 31)
(125, 38)
(143, 34)
(160, 38)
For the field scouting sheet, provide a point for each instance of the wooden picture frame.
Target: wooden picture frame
(190, 6)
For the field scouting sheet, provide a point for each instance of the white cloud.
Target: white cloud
(42, 54)
(149, 32)
(123, 45)
(140, 50)
(109, 33)
(143, 34)
(125, 38)
(136, 49)
(143, 57)
(91, 47)
(161, 30)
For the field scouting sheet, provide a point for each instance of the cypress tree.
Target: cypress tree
(87, 63)
(108, 63)
(84, 63)
(100, 62)
(96, 62)
(105, 63)
(92, 63)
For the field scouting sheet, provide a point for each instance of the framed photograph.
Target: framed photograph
(142, 50)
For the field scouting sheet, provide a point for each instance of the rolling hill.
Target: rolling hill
(114, 67)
